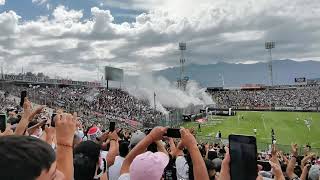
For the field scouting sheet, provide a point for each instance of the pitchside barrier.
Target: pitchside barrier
(273, 108)
(262, 147)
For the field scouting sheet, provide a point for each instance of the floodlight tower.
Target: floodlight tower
(269, 46)
(182, 48)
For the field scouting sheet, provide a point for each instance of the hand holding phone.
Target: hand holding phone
(187, 139)
(243, 157)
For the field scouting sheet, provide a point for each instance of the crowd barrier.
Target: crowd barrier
(261, 146)
(279, 109)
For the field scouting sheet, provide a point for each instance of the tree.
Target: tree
(40, 74)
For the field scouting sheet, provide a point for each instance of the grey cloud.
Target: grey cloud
(205, 34)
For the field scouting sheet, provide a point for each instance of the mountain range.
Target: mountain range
(235, 75)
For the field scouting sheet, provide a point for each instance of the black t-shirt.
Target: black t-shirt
(170, 170)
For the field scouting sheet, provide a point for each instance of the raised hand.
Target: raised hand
(187, 139)
(225, 167)
(114, 135)
(157, 133)
(50, 131)
(206, 147)
(27, 110)
(277, 171)
(294, 149)
(65, 128)
(8, 131)
(27, 116)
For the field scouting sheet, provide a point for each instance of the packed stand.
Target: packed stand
(307, 98)
(103, 104)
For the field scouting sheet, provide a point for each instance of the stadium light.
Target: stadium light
(269, 46)
(181, 81)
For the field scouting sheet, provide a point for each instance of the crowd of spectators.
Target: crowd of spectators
(101, 104)
(306, 98)
(38, 149)
(80, 146)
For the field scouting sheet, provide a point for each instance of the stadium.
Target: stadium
(253, 109)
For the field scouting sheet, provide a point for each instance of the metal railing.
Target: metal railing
(286, 148)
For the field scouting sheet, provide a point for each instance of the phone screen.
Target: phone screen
(3, 122)
(243, 155)
(174, 133)
(23, 95)
(53, 123)
(112, 126)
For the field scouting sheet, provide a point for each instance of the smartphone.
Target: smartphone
(112, 126)
(265, 165)
(174, 133)
(23, 95)
(53, 124)
(3, 122)
(243, 156)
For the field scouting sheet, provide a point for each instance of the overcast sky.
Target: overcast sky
(71, 37)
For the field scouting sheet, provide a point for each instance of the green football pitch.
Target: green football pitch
(289, 127)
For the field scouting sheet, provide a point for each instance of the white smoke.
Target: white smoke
(91, 95)
(167, 94)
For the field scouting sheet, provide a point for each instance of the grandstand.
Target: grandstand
(286, 97)
(94, 102)
(292, 110)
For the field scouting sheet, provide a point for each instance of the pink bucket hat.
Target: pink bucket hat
(148, 166)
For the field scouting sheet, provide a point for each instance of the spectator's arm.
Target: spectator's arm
(50, 134)
(305, 159)
(27, 116)
(199, 167)
(292, 162)
(8, 131)
(114, 148)
(113, 152)
(161, 148)
(172, 145)
(154, 135)
(65, 129)
(177, 152)
(304, 172)
(285, 159)
(207, 151)
(278, 175)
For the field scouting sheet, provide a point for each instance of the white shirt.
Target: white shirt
(125, 176)
(114, 170)
(182, 168)
(103, 154)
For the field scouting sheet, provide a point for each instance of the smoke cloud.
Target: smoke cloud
(166, 93)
